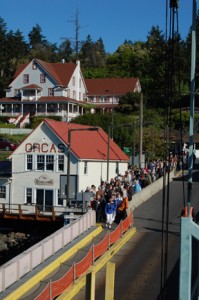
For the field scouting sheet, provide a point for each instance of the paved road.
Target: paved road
(138, 263)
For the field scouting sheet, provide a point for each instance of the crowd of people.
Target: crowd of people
(111, 199)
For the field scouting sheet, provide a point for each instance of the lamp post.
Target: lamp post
(108, 145)
(108, 153)
(68, 156)
(110, 94)
(141, 129)
(112, 119)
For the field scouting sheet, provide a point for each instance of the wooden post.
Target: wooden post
(90, 286)
(20, 211)
(110, 281)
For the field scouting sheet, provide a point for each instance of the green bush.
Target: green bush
(35, 121)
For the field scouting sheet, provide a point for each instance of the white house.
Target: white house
(40, 164)
(42, 88)
(59, 89)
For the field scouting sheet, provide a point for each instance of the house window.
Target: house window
(34, 66)
(117, 168)
(50, 92)
(68, 93)
(74, 95)
(50, 162)
(40, 162)
(61, 163)
(17, 93)
(45, 162)
(196, 146)
(85, 167)
(73, 80)
(2, 191)
(29, 162)
(29, 195)
(60, 201)
(80, 96)
(80, 82)
(26, 78)
(42, 78)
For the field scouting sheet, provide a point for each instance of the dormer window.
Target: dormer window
(34, 66)
(42, 78)
(26, 78)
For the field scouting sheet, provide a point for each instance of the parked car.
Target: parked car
(7, 145)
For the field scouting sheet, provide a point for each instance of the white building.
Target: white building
(40, 164)
(41, 88)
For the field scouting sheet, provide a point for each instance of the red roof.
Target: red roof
(60, 72)
(87, 144)
(43, 99)
(31, 87)
(111, 86)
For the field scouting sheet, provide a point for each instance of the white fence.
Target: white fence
(22, 264)
(14, 131)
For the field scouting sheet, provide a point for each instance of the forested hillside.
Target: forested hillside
(144, 59)
(148, 60)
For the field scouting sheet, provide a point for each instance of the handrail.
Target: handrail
(57, 287)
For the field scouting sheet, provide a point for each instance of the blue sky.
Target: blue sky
(112, 20)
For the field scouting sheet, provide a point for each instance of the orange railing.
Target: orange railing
(53, 289)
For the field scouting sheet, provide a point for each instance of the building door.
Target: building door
(44, 199)
(72, 190)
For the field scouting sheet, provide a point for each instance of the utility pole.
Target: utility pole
(77, 28)
(141, 129)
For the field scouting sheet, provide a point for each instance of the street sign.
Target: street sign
(127, 150)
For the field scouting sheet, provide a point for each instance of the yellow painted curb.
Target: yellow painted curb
(29, 284)
(81, 281)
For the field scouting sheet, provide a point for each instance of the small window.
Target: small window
(40, 162)
(29, 162)
(2, 191)
(26, 78)
(197, 146)
(74, 95)
(50, 162)
(61, 163)
(80, 96)
(80, 82)
(17, 93)
(29, 195)
(73, 80)
(34, 66)
(117, 168)
(50, 92)
(42, 78)
(85, 167)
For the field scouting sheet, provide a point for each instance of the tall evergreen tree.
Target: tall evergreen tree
(65, 51)
(155, 70)
(92, 54)
(36, 38)
(3, 57)
(40, 47)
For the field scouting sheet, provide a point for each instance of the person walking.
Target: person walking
(122, 210)
(110, 211)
